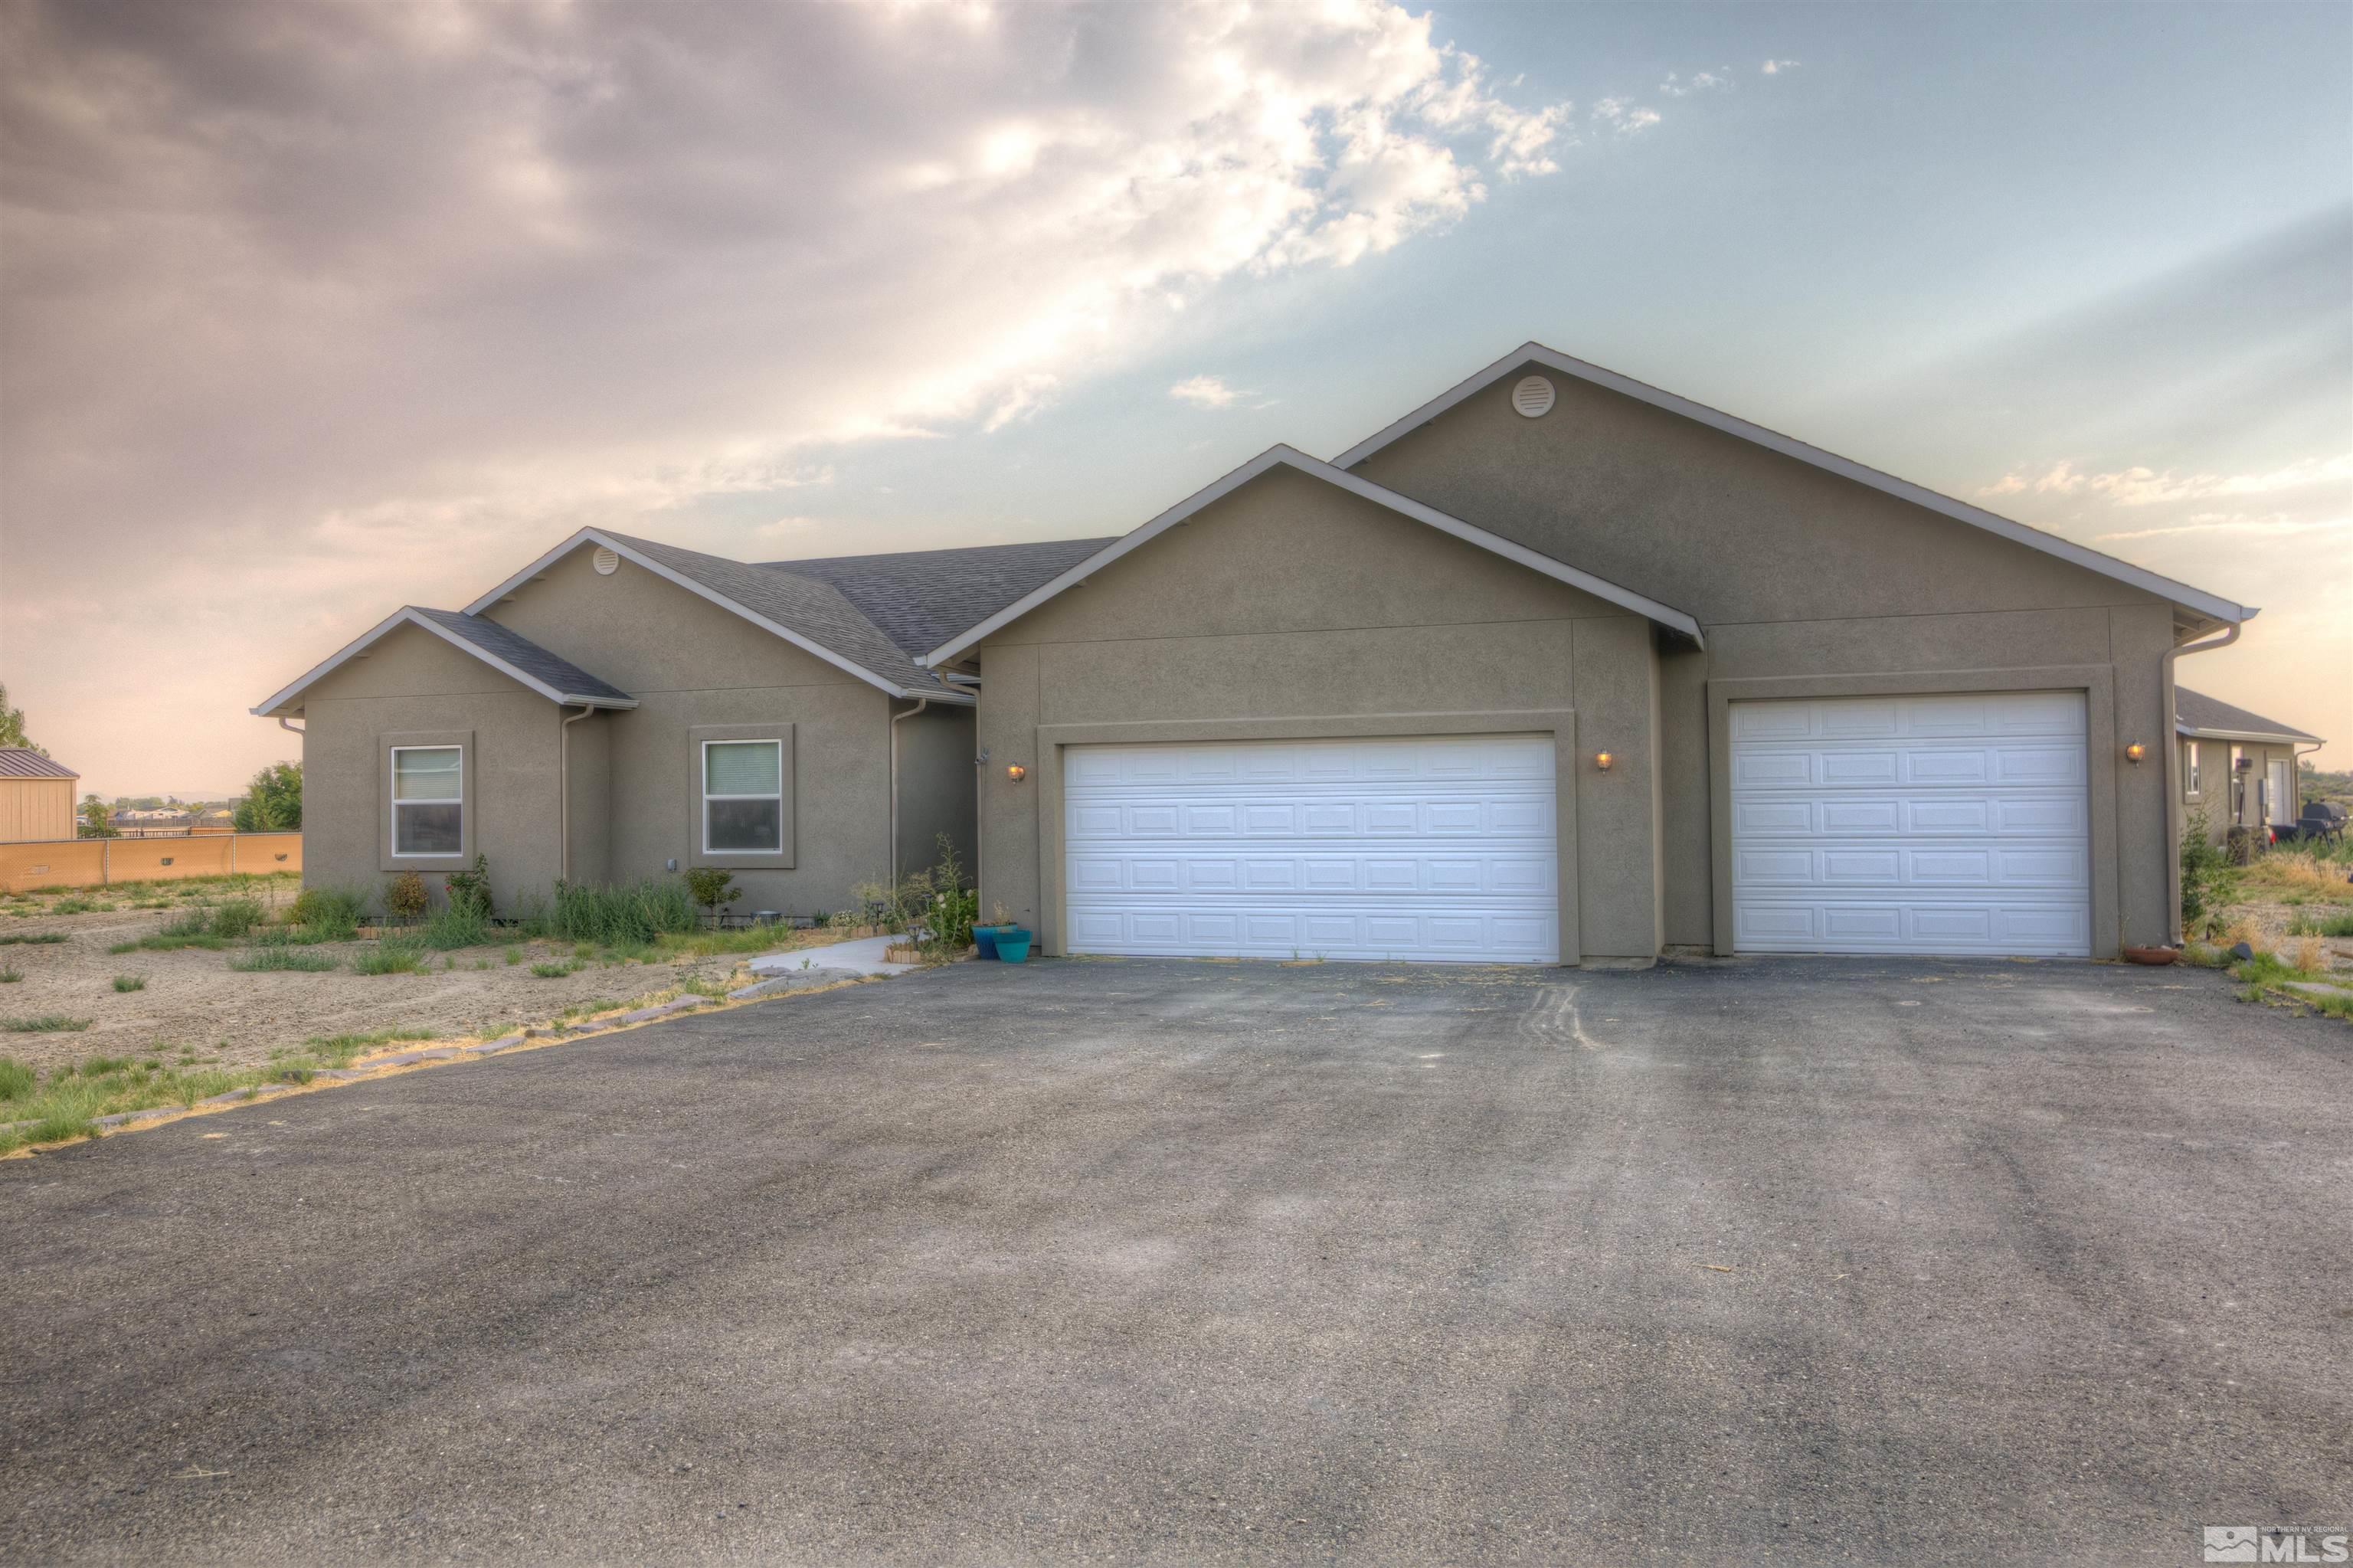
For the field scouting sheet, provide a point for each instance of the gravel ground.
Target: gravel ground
(1791, 1261)
(193, 997)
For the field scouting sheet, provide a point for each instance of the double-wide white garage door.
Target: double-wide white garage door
(1433, 848)
(1925, 825)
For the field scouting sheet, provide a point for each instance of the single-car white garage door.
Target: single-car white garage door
(1920, 824)
(1433, 848)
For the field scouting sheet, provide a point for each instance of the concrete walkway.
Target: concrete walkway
(862, 957)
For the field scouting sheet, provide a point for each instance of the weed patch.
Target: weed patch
(29, 939)
(47, 1024)
(10, 977)
(558, 969)
(393, 956)
(129, 982)
(262, 959)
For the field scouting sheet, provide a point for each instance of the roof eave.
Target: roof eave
(2192, 599)
(281, 704)
(2259, 737)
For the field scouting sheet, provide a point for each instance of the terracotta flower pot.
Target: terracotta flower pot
(2151, 955)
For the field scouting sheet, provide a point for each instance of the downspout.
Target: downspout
(921, 704)
(2173, 817)
(564, 792)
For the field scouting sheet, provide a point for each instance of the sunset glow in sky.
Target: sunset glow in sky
(311, 309)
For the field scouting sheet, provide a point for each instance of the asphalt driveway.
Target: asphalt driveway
(1796, 1261)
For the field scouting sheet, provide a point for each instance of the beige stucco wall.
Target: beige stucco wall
(1295, 607)
(1799, 576)
(414, 682)
(937, 780)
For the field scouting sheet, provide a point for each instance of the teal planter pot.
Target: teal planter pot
(983, 939)
(1013, 944)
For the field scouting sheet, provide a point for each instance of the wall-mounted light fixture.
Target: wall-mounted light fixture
(1602, 760)
(2135, 752)
(1017, 773)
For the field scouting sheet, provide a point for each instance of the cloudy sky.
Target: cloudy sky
(308, 309)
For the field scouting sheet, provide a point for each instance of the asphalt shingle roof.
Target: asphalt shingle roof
(515, 649)
(920, 598)
(2197, 711)
(23, 762)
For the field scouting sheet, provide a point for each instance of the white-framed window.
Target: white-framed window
(428, 799)
(743, 797)
(2190, 781)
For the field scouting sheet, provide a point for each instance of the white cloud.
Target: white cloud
(2272, 524)
(1775, 68)
(2141, 486)
(1719, 80)
(1206, 392)
(1624, 117)
(383, 299)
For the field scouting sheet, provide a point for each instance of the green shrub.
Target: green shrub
(15, 1079)
(10, 977)
(393, 956)
(236, 917)
(458, 925)
(2207, 879)
(47, 1024)
(471, 889)
(129, 982)
(711, 886)
(629, 916)
(555, 971)
(282, 957)
(329, 914)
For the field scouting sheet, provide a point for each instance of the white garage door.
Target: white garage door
(1436, 848)
(1928, 824)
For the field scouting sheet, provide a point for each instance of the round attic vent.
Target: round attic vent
(608, 562)
(1532, 398)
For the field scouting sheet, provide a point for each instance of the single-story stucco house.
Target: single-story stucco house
(1557, 668)
(622, 708)
(2237, 767)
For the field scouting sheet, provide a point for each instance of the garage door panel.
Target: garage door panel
(1966, 832)
(1434, 848)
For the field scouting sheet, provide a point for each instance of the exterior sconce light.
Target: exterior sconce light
(1602, 760)
(1017, 773)
(2135, 752)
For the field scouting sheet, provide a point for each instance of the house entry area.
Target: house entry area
(1932, 824)
(1429, 848)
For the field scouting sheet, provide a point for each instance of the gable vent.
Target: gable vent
(1532, 398)
(608, 563)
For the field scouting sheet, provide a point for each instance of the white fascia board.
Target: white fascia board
(2107, 565)
(2256, 736)
(638, 558)
(1289, 457)
(406, 616)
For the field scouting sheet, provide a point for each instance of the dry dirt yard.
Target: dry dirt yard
(193, 999)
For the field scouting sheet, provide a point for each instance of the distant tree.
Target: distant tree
(94, 822)
(12, 726)
(272, 802)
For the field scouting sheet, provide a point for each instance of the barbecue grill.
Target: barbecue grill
(2322, 820)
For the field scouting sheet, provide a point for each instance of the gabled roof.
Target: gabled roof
(810, 614)
(506, 650)
(2209, 605)
(1315, 467)
(921, 598)
(23, 762)
(2195, 713)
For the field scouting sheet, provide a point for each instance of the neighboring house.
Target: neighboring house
(1361, 708)
(1557, 668)
(36, 796)
(2240, 766)
(622, 708)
